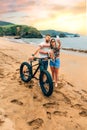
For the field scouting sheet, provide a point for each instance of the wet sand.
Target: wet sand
(24, 107)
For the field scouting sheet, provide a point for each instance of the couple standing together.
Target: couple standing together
(50, 47)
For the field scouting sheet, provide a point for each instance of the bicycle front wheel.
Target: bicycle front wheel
(46, 83)
(25, 72)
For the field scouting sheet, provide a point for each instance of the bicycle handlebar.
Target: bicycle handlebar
(37, 58)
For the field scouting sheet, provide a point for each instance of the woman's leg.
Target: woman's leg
(57, 66)
(52, 71)
(56, 74)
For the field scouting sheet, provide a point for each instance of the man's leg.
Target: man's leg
(45, 64)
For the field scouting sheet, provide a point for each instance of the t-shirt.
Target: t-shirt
(56, 51)
(44, 48)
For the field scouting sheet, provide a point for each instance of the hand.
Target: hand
(51, 54)
(58, 40)
(31, 58)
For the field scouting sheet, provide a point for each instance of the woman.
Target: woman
(55, 60)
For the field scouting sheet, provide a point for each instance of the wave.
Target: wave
(75, 50)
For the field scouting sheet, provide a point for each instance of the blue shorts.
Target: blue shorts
(55, 63)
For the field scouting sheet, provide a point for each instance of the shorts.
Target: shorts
(55, 63)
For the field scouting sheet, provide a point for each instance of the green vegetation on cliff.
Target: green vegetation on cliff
(20, 31)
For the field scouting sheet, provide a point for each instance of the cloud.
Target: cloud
(43, 14)
(16, 6)
(39, 6)
(80, 8)
(75, 9)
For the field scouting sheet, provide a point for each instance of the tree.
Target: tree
(1, 31)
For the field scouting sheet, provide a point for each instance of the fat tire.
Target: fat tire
(49, 78)
(21, 72)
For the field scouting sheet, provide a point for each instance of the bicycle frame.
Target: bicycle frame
(38, 67)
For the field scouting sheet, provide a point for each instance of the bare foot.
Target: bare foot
(53, 81)
(56, 85)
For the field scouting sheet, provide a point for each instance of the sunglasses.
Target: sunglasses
(53, 41)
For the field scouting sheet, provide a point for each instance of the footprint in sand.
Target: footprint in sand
(50, 104)
(30, 84)
(84, 98)
(1, 121)
(60, 85)
(77, 92)
(20, 82)
(77, 106)
(5, 123)
(36, 124)
(2, 116)
(35, 96)
(48, 115)
(13, 77)
(18, 69)
(16, 102)
(69, 84)
(64, 97)
(18, 62)
(60, 113)
(1, 73)
(84, 91)
(83, 113)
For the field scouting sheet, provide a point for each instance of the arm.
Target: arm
(42, 46)
(43, 52)
(46, 45)
(39, 49)
(59, 43)
(51, 54)
(36, 51)
(32, 57)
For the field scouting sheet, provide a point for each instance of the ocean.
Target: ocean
(78, 43)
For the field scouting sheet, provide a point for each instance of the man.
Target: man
(43, 50)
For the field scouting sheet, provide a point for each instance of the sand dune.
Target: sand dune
(24, 107)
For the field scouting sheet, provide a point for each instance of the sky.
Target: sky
(61, 15)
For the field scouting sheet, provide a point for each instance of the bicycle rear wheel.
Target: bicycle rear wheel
(26, 72)
(46, 83)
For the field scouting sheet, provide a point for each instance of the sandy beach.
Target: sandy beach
(24, 107)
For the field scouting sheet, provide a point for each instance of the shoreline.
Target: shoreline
(12, 39)
(75, 50)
